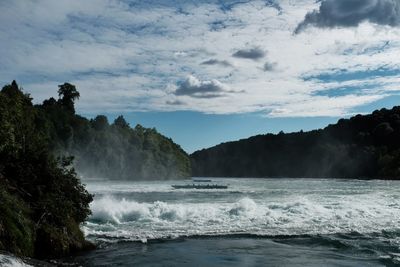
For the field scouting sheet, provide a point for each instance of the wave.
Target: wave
(122, 219)
(109, 209)
(11, 261)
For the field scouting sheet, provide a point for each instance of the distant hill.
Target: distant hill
(42, 200)
(364, 146)
(104, 150)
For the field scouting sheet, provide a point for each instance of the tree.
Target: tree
(42, 201)
(100, 123)
(68, 94)
(121, 122)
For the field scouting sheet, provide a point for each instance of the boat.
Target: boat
(200, 186)
(202, 180)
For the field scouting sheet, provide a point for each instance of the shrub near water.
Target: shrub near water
(42, 200)
(16, 227)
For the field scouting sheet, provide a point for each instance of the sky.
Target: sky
(204, 72)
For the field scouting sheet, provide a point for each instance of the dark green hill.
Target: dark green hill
(104, 150)
(42, 200)
(364, 146)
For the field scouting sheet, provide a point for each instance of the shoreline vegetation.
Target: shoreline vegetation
(361, 147)
(44, 146)
(43, 201)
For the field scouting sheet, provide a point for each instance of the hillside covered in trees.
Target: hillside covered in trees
(42, 201)
(104, 150)
(364, 146)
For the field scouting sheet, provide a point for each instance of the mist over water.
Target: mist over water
(349, 214)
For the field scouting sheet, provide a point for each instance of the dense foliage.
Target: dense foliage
(114, 151)
(42, 202)
(364, 146)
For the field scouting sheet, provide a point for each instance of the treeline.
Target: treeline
(42, 202)
(114, 151)
(364, 146)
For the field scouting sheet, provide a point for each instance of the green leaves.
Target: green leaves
(46, 192)
(68, 94)
(364, 146)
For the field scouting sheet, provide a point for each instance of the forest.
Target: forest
(42, 147)
(42, 199)
(363, 147)
(112, 151)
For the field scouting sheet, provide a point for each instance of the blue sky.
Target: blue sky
(195, 130)
(204, 72)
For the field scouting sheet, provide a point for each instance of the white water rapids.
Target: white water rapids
(140, 211)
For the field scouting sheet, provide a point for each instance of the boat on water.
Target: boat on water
(200, 186)
(202, 180)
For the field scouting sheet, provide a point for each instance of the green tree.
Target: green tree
(42, 201)
(100, 123)
(68, 94)
(121, 122)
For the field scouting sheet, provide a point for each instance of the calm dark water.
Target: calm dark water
(245, 251)
(255, 222)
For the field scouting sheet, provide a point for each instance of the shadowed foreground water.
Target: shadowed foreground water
(243, 251)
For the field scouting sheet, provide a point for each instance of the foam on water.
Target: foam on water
(299, 212)
(11, 261)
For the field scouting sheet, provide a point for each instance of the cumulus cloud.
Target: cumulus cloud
(268, 66)
(350, 13)
(103, 48)
(201, 89)
(174, 102)
(324, 106)
(223, 63)
(252, 53)
(274, 4)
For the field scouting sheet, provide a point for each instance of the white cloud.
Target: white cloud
(193, 87)
(350, 13)
(250, 53)
(135, 57)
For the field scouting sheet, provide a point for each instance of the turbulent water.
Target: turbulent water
(11, 261)
(255, 221)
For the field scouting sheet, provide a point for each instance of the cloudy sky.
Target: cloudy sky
(204, 71)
